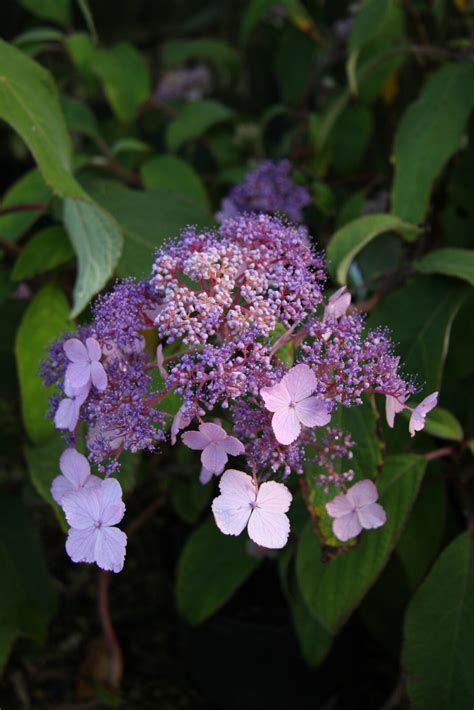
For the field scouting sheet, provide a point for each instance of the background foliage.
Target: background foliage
(371, 102)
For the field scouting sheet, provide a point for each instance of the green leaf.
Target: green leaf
(225, 59)
(439, 633)
(190, 498)
(29, 189)
(45, 319)
(173, 174)
(348, 241)
(29, 102)
(43, 466)
(79, 117)
(444, 425)
(420, 316)
(424, 531)
(367, 23)
(428, 135)
(254, 12)
(350, 138)
(194, 119)
(80, 48)
(27, 599)
(147, 219)
(129, 145)
(315, 642)
(332, 590)
(450, 262)
(211, 568)
(124, 76)
(46, 250)
(56, 10)
(38, 35)
(97, 241)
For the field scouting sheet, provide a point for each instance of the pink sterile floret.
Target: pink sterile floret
(92, 514)
(85, 364)
(215, 444)
(356, 510)
(417, 419)
(293, 405)
(76, 474)
(262, 508)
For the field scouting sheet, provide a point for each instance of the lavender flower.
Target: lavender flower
(191, 84)
(269, 189)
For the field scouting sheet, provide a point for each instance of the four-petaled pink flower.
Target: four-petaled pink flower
(85, 364)
(393, 405)
(261, 508)
(76, 475)
(67, 413)
(417, 419)
(293, 405)
(215, 444)
(356, 510)
(92, 514)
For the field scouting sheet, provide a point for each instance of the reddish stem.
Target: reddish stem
(26, 207)
(115, 658)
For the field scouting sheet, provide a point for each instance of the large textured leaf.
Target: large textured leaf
(450, 262)
(439, 633)
(97, 241)
(211, 568)
(56, 10)
(420, 316)
(332, 590)
(43, 465)
(367, 23)
(194, 119)
(124, 76)
(315, 641)
(45, 319)
(27, 597)
(348, 241)
(29, 103)
(428, 135)
(147, 218)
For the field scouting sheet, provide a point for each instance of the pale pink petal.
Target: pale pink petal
(160, 361)
(79, 393)
(111, 506)
(346, 527)
(273, 497)
(338, 303)
(213, 432)
(93, 482)
(275, 397)
(233, 507)
(233, 446)
(417, 419)
(362, 493)
(372, 516)
(93, 349)
(392, 406)
(179, 422)
(313, 411)
(300, 382)
(74, 466)
(109, 550)
(75, 350)
(269, 529)
(81, 508)
(339, 506)
(66, 415)
(78, 374)
(205, 476)
(195, 440)
(59, 487)
(99, 376)
(80, 544)
(286, 426)
(214, 457)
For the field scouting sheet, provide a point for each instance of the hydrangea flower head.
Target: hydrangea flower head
(92, 514)
(262, 509)
(215, 444)
(355, 510)
(292, 404)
